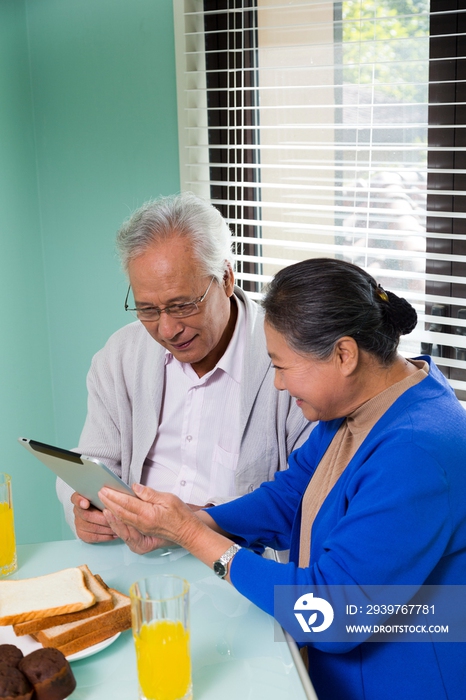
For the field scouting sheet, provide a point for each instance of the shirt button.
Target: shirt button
(183, 483)
(189, 438)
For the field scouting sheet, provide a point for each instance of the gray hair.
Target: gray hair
(316, 302)
(186, 216)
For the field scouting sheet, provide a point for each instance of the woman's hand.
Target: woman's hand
(136, 541)
(153, 519)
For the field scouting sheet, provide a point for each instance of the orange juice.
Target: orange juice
(163, 660)
(7, 540)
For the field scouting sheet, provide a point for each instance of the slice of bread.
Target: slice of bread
(76, 636)
(53, 594)
(88, 640)
(103, 598)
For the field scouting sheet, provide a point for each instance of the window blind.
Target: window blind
(335, 129)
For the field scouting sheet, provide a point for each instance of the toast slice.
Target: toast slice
(76, 636)
(103, 598)
(62, 592)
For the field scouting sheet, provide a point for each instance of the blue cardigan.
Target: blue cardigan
(396, 516)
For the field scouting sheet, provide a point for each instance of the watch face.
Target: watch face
(220, 569)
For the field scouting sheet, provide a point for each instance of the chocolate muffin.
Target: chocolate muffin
(13, 684)
(10, 654)
(50, 674)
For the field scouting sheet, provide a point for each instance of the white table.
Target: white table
(234, 652)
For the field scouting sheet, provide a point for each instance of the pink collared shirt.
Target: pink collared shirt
(195, 452)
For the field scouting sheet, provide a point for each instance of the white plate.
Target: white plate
(27, 644)
(93, 649)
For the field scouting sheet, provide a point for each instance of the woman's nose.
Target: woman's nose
(278, 381)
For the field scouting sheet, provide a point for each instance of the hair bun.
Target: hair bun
(401, 314)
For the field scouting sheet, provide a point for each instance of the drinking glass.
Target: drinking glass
(160, 616)
(8, 561)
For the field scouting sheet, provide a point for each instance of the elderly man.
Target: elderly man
(183, 400)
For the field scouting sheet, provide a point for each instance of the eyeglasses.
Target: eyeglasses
(153, 313)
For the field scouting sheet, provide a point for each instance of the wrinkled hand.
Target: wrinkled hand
(136, 541)
(151, 518)
(91, 524)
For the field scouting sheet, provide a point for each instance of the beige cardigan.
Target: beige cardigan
(125, 389)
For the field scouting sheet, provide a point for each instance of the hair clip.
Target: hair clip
(381, 293)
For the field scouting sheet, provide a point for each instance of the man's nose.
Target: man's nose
(169, 326)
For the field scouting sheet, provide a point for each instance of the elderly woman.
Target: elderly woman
(376, 496)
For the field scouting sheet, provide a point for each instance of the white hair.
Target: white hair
(186, 216)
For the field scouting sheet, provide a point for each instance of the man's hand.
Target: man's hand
(91, 524)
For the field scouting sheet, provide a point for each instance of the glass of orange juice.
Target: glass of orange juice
(160, 616)
(8, 562)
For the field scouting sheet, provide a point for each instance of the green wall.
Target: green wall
(88, 131)
(25, 373)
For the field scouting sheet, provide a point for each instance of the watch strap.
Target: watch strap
(221, 565)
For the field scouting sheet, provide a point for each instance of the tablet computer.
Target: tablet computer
(86, 475)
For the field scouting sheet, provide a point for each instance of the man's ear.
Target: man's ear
(347, 355)
(229, 279)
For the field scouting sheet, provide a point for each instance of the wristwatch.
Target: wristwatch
(221, 565)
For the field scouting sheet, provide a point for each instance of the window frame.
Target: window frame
(446, 173)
